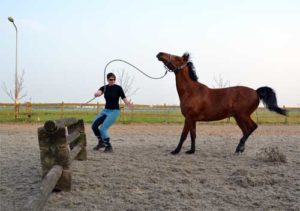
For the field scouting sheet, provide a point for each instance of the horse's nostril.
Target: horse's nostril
(159, 55)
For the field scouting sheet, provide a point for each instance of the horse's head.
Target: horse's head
(172, 62)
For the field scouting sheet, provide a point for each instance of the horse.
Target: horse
(198, 102)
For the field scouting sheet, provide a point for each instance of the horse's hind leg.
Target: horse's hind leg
(193, 137)
(184, 134)
(247, 126)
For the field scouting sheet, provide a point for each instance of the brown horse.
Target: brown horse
(201, 103)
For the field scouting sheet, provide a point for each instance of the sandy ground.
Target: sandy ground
(141, 174)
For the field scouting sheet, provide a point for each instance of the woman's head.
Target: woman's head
(111, 78)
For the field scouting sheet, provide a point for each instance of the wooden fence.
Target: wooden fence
(60, 142)
(140, 113)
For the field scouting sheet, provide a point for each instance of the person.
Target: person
(105, 119)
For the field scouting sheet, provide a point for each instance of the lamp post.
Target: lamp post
(16, 73)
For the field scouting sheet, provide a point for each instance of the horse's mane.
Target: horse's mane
(192, 70)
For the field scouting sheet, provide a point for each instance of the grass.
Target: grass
(139, 115)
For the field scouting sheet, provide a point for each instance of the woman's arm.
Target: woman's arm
(128, 102)
(98, 93)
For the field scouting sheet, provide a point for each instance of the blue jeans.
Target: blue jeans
(105, 118)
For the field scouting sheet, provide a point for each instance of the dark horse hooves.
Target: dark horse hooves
(190, 152)
(174, 152)
(239, 149)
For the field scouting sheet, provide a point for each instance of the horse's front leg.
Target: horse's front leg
(192, 127)
(184, 134)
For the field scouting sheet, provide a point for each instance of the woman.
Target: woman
(112, 93)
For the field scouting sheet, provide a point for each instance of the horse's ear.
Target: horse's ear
(186, 56)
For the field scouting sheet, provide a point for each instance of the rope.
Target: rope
(128, 63)
(121, 60)
(88, 101)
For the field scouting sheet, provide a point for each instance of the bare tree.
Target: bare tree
(126, 81)
(220, 82)
(18, 93)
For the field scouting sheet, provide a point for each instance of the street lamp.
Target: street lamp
(16, 74)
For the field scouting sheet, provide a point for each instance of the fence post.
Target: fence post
(28, 109)
(166, 113)
(285, 118)
(123, 114)
(97, 108)
(54, 150)
(17, 110)
(62, 110)
(131, 115)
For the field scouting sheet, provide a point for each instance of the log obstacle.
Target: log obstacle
(60, 141)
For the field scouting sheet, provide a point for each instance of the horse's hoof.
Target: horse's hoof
(237, 153)
(175, 152)
(240, 149)
(190, 152)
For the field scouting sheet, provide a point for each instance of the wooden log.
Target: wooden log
(52, 125)
(75, 152)
(78, 126)
(62, 155)
(51, 146)
(82, 155)
(56, 147)
(55, 150)
(65, 181)
(81, 126)
(73, 137)
(38, 201)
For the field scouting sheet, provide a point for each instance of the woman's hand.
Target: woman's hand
(128, 103)
(98, 93)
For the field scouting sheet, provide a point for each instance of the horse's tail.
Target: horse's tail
(268, 97)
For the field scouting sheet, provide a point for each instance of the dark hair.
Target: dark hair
(110, 75)
(192, 71)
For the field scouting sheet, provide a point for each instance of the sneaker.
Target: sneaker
(99, 146)
(108, 148)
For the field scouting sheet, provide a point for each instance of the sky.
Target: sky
(64, 45)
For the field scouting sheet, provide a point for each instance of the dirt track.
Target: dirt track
(142, 175)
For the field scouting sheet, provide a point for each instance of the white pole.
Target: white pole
(16, 73)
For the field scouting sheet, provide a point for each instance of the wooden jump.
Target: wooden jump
(61, 141)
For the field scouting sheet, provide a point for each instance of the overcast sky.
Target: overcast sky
(65, 45)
